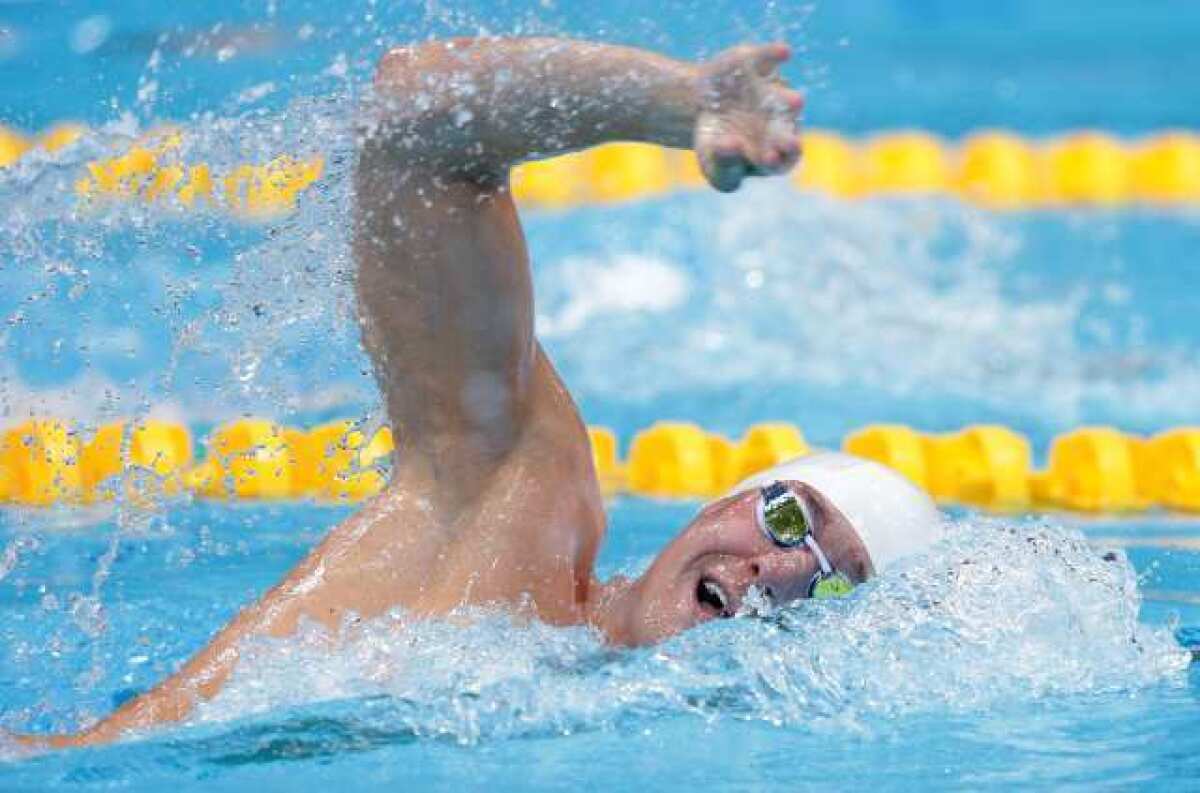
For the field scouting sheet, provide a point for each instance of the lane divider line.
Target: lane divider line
(1096, 470)
(996, 169)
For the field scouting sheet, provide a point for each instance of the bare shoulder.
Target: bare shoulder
(375, 560)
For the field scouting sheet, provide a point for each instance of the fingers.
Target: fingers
(767, 58)
(728, 176)
(731, 159)
(726, 171)
(778, 154)
(792, 101)
(751, 60)
(780, 99)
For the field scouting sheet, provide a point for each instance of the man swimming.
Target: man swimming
(493, 499)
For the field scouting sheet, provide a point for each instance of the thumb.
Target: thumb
(726, 174)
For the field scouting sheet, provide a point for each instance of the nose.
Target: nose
(785, 573)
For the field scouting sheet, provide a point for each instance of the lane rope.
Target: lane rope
(46, 461)
(996, 169)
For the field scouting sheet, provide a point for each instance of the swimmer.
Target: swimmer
(493, 499)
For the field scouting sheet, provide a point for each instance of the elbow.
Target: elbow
(414, 92)
(430, 105)
(400, 65)
(431, 77)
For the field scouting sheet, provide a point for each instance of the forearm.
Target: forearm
(198, 680)
(491, 102)
(170, 701)
(173, 699)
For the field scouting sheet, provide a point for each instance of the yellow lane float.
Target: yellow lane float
(1169, 469)
(61, 135)
(673, 458)
(12, 145)
(681, 460)
(555, 183)
(270, 189)
(985, 465)
(147, 173)
(1166, 169)
(763, 446)
(606, 460)
(627, 171)
(829, 164)
(157, 452)
(40, 463)
(336, 462)
(896, 446)
(1087, 168)
(998, 170)
(726, 467)
(905, 162)
(249, 459)
(686, 169)
(992, 168)
(1090, 469)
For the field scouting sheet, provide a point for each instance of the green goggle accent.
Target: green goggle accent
(834, 586)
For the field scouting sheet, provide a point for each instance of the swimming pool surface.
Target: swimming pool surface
(1015, 654)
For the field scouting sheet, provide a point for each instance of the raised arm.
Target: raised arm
(443, 278)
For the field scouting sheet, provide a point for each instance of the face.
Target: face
(705, 572)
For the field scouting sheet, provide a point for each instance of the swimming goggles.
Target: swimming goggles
(787, 522)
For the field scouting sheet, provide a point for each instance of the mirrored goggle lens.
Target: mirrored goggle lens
(786, 521)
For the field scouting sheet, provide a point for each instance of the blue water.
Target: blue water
(1037, 663)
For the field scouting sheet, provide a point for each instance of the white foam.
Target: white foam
(994, 614)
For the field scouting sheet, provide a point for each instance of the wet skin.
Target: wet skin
(493, 499)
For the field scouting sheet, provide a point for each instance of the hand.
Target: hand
(747, 122)
(43, 742)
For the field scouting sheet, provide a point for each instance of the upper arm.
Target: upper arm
(444, 286)
(445, 302)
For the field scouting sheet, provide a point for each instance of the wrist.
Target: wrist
(671, 120)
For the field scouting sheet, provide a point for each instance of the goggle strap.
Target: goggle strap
(826, 567)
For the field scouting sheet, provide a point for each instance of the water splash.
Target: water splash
(996, 613)
(171, 309)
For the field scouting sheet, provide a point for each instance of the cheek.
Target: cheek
(663, 614)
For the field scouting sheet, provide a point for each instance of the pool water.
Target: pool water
(1041, 651)
(1015, 654)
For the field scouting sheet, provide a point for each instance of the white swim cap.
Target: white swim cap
(893, 517)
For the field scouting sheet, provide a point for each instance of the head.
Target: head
(865, 517)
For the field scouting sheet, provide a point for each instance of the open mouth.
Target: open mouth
(713, 598)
